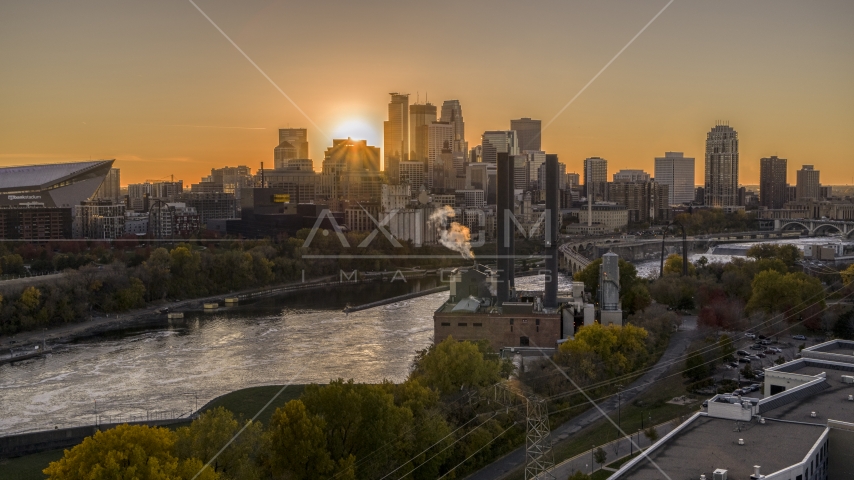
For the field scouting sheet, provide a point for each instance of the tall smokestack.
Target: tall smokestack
(552, 230)
(502, 244)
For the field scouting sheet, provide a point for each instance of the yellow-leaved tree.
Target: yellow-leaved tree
(128, 452)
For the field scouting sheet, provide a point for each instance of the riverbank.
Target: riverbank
(96, 325)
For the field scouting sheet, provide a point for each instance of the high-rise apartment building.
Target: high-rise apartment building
(573, 179)
(452, 112)
(721, 185)
(631, 176)
(677, 172)
(396, 134)
(596, 178)
(412, 173)
(529, 132)
(498, 141)
(808, 185)
(772, 182)
(646, 201)
(420, 118)
(293, 143)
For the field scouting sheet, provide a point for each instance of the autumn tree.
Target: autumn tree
(128, 451)
(297, 443)
(796, 295)
(451, 365)
(212, 431)
(673, 265)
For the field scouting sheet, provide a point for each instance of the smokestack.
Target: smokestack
(502, 244)
(552, 227)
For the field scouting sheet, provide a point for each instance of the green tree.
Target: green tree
(796, 294)
(848, 275)
(628, 279)
(297, 443)
(451, 365)
(788, 254)
(695, 366)
(212, 431)
(747, 372)
(844, 326)
(618, 349)
(600, 456)
(651, 434)
(127, 452)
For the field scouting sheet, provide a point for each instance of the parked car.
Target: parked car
(769, 351)
(756, 347)
(750, 335)
(776, 350)
(733, 364)
(761, 337)
(743, 360)
(706, 404)
(799, 337)
(766, 342)
(755, 386)
(742, 353)
(754, 357)
(761, 355)
(739, 392)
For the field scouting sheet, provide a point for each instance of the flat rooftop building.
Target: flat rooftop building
(804, 431)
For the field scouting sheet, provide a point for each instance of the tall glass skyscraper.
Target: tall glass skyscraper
(529, 132)
(721, 186)
(420, 118)
(396, 135)
(452, 112)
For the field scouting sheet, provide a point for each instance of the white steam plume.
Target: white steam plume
(457, 237)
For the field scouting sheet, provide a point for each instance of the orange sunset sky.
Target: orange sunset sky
(156, 86)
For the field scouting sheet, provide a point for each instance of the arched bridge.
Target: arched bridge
(816, 227)
(570, 260)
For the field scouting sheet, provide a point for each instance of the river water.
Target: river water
(168, 368)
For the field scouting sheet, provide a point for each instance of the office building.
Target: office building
(721, 184)
(808, 185)
(141, 195)
(529, 132)
(293, 143)
(111, 187)
(440, 137)
(412, 174)
(772, 182)
(351, 173)
(210, 205)
(396, 132)
(452, 113)
(297, 180)
(677, 172)
(521, 172)
(596, 178)
(420, 119)
(800, 426)
(443, 173)
(536, 160)
(52, 185)
(631, 176)
(573, 179)
(609, 217)
(476, 154)
(498, 141)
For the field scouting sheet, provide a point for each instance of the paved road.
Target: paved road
(678, 345)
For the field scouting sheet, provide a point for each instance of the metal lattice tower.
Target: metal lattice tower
(539, 458)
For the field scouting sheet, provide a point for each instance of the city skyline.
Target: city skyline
(206, 106)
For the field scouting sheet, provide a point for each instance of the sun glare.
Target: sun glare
(358, 129)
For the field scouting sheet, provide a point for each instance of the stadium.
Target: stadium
(51, 185)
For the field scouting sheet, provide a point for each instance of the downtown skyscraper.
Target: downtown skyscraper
(529, 132)
(420, 118)
(396, 135)
(498, 141)
(772, 182)
(721, 182)
(596, 178)
(452, 113)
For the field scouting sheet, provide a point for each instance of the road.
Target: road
(678, 345)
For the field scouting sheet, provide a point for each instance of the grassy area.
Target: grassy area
(619, 463)
(601, 475)
(243, 403)
(29, 467)
(248, 401)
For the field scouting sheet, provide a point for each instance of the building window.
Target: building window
(477, 324)
(462, 324)
(538, 328)
(446, 324)
(523, 341)
(538, 321)
(511, 321)
(511, 328)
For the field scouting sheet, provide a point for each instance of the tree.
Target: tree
(797, 295)
(212, 431)
(695, 366)
(590, 276)
(788, 254)
(844, 326)
(673, 266)
(747, 372)
(848, 275)
(600, 456)
(725, 348)
(618, 349)
(127, 451)
(451, 365)
(297, 443)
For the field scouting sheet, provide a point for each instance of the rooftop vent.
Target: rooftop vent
(756, 474)
(719, 474)
(847, 379)
(851, 398)
(741, 441)
(702, 477)
(813, 415)
(762, 420)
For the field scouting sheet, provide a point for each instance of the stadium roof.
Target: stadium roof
(43, 176)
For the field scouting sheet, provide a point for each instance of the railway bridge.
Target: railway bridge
(816, 227)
